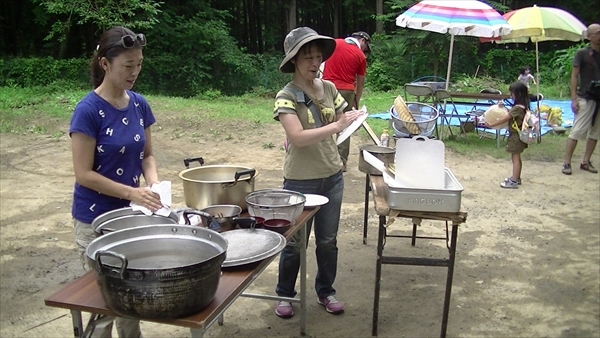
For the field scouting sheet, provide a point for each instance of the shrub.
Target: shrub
(28, 72)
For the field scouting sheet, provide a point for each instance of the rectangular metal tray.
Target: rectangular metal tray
(423, 199)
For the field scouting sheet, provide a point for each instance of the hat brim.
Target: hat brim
(329, 46)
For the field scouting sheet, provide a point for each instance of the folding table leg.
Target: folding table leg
(197, 333)
(380, 240)
(449, 279)
(366, 211)
(498, 138)
(303, 240)
(77, 323)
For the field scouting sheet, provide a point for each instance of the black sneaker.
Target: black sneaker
(567, 169)
(588, 167)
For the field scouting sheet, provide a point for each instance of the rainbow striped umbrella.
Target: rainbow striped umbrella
(466, 17)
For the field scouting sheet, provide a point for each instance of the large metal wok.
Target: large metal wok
(158, 271)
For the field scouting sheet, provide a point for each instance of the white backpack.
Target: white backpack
(529, 130)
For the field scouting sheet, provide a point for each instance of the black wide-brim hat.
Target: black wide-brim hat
(297, 38)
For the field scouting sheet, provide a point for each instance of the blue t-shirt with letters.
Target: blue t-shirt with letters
(120, 143)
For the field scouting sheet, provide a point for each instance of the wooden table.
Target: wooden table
(84, 294)
(379, 190)
(479, 96)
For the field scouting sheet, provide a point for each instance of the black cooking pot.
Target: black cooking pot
(158, 271)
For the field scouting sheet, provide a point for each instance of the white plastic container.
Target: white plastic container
(420, 162)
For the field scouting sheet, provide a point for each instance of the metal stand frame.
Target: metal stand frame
(418, 261)
(451, 240)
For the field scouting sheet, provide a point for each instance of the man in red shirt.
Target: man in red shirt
(347, 68)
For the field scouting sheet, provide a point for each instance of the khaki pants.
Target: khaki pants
(582, 126)
(344, 147)
(84, 235)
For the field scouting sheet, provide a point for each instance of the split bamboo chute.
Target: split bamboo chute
(406, 116)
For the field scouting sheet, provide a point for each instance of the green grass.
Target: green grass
(197, 110)
(48, 111)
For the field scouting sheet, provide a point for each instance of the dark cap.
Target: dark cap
(366, 36)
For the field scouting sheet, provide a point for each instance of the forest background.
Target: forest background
(204, 48)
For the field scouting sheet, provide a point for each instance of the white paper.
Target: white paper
(163, 189)
(352, 127)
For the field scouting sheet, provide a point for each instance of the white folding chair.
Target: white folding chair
(419, 91)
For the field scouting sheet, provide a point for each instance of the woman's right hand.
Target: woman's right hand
(146, 198)
(348, 117)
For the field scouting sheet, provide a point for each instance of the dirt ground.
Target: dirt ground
(528, 260)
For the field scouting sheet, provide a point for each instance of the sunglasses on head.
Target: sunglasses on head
(129, 41)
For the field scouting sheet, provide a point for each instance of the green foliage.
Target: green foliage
(29, 72)
(192, 55)
(505, 63)
(101, 13)
(472, 84)
(170, 74)
(387, 67)
(558, 69)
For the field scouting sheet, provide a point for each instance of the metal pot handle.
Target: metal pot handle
(187, 161)
(250, 221)
(204, 216)
(236, 177)
(100, 267)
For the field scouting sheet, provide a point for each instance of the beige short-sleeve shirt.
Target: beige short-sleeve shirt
(318, 160)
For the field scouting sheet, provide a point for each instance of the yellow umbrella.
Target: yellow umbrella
(541, 24)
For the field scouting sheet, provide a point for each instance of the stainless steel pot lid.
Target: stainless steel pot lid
(251, 245)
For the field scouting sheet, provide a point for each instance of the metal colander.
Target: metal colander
(276, 203)
(425, 119)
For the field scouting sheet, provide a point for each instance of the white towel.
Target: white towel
(163, 189)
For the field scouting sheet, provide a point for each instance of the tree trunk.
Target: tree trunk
(292, 15)
(245, 15)
(379, 13)
(337, 5)
(251, 27)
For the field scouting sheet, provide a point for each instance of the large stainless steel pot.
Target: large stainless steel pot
(124, 218)
(385, 154)
(158, 271)
(217, 184)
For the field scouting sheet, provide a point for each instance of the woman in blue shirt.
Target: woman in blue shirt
(112, 147)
